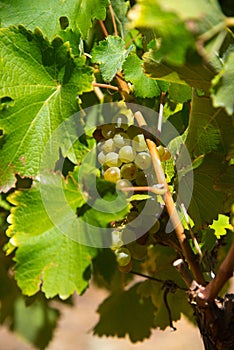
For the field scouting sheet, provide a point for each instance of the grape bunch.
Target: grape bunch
(125, 160)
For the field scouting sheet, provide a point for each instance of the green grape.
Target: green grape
(121, 139)
(129, 171)
(155, 228)
(108, 130)
(100, 146)
(112, 159)
(109, 146)
(138, 252)
(101, 158)
(121, 121)
(161, 150)
(112, 174)
(166, 156)
(138, 143)
(141, 179)
(123, 256)
(123, 183)
(126, 154)
(133, 131)
(126, 268)
(143, 160)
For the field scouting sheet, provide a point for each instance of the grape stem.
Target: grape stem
(170, 205)
(105, 86)
(153, 189)
(102, 25)
(113, 19)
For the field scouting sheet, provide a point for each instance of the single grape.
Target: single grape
(121, 121)
(108, 130)
(109, 146)
(100, 146)
(126, 154)
(161, 151)
(126, 268)
(138, 251)
(155, 228)
(143, 160)
(133, 131)
(123, 256)
(101, 158)
(121, 139)
(138, 143)
(123, 183)
(166, 156)
(112, 159)
(129, 171)
(112, 174)
(141, 179)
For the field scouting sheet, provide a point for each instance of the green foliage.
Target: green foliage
(142, 85)
(51, 55)
(110, 54)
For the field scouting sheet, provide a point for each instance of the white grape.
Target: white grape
(143, 160)
(129, 171)
(101, 158)
(112, 159)
(127, 154)
(121, 139)
(112, 174)
(123, 256)
(138, 143)
(109, 146)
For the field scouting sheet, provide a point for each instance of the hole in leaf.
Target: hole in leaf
(64, 22)
(23, 182)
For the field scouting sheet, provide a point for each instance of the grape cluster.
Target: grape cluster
(126, 161)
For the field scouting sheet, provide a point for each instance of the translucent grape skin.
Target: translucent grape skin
(138, 143)
(112, 160)
(121, 139)
(112, 174)
(107, 130)
(143, 160)
(126, 268)
(123, 256)
(129, 171)
(126, 154)
(109, 146)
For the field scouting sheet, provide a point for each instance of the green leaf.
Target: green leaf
(193, 72)
(44, 15)
(44, 89)
(179, 93)
(168, 26)
(42, 320)
(133, 72)
(126, 312)
(51, 254)
(206, 203)
(45, 255)
(222, 85)
(209, 128)
(221, 225)
(110, 54)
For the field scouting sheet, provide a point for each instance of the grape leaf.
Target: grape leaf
(194, 72)
(179, 93)
(209, 128)
(41, 317)
(49, 226)
(168, 27)
(44, 15)
(133, 72)
(126, 312)
(219, 226)
(206, 203)
(44, 90)
(222, 86)
(110, 54)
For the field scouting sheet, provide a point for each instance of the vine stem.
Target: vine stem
(102, 25)
(113, 19)
(105, 86)
(170, 205)
(210, 292)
